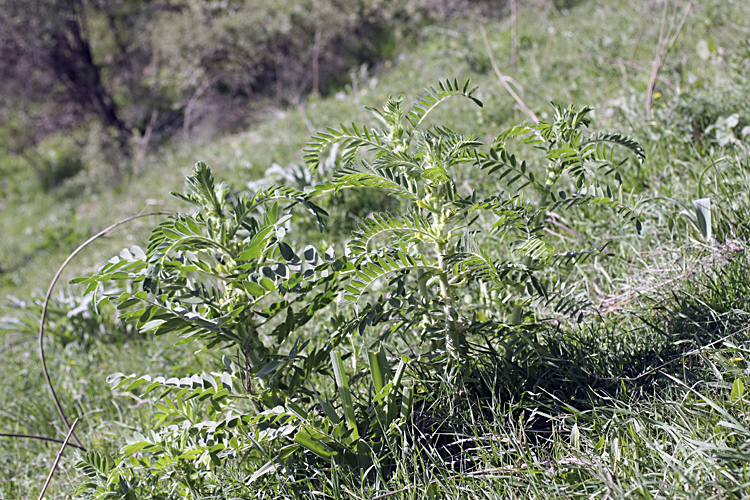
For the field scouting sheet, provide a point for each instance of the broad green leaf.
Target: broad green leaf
(287, 252)
(738, 389)
(314, 444)
(377, 371)
(254, 289)
(346, 399)
(268, 284)
(269, 466)
(703, 217)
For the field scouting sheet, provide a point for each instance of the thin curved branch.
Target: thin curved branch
(665, 44)
(46, 304)
(504, 79)
(57, 459)
(40, 438)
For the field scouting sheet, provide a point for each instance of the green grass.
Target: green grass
(638, 403)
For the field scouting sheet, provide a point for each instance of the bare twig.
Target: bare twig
(141, 153)
(46, 304)
(635, 66)
(662, 48)
(40, 438)
(504, 80)
(57, 459)
(515, 83)
(682, 23)
(656, 65)
(643, 27)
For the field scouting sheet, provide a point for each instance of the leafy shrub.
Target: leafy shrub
(450, 269)
(53, 159)
(241, 50)
(59, 160)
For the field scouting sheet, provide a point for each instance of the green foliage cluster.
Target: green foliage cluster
(268, 48)
(52, 160)
(146, 71)
(451, 270)
(647, 397)
(707, 118)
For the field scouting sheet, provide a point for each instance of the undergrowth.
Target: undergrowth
(645, 398)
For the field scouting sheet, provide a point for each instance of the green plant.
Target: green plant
(196, 427)
(589, 437)
(201, 425)
(448, 268)
(449, 239)
(225, 276)
(706, 118)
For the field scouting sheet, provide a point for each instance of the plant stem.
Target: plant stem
(516, 316)
(452, 334)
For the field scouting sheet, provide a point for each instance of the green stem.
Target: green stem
(452, 334)
(516, 316)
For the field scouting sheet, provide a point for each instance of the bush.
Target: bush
(53, 159)
(448, 275)
(700, 116)
(60, 158)
(241, 51)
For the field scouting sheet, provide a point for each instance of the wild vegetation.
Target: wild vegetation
(128, 73)
(463, 293)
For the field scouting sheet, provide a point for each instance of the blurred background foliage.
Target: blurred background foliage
(118, 71)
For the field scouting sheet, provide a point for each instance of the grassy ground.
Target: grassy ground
(646, 400)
